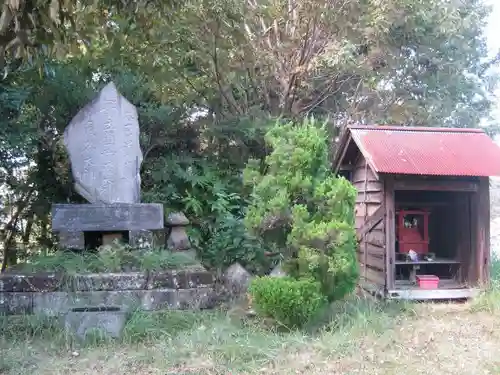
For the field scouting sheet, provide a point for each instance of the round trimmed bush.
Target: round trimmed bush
(290, 302)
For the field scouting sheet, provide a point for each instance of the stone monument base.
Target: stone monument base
(88, 226)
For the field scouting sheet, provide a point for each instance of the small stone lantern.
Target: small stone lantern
(178, 238)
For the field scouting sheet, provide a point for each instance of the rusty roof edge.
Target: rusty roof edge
(415, 129)
(368, 157)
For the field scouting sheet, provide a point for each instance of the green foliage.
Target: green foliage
(200, 189)
(400, 61)
(186, 166)
(230, 242)
(206, 76)
(393, 62)
(290, 302)
(301, 208)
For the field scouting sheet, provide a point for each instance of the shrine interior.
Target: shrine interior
(433, 237)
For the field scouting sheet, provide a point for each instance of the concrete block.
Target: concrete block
(109, 321)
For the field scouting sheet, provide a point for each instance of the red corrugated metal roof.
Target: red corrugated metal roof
(428, 151)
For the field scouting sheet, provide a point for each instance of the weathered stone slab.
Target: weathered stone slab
(16, 303)
(141, 239)
(109, 323)
(85, 282)
(200, 278)
(57, 303)
(102, 141)
(41, 282)
(182, 299)
(72, 240)
(196, 298)
(109, 281)
(60, 303)
(104, 217)
(123, 281)
(179, 279)
(237, 279)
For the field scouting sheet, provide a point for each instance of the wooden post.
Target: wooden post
(483, 231)
(390, 231)
(473, 276)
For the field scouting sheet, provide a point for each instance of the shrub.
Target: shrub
(301, 208)
(204, 190)
(290, 302)
(232, 243)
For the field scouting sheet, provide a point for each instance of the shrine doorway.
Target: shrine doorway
(433, 238)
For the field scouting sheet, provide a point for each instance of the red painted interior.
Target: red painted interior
(415, 238)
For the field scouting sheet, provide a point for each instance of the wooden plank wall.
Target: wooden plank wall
(472, 236)
(371, 252)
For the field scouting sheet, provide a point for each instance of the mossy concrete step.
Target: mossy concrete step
(53, 294)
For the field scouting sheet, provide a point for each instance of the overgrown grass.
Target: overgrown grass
(220, 342)
(489, 299)
(213, 341)
(109, 259)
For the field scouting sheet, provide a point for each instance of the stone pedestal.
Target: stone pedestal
(103, 145)
(81, 226)
(178, 238)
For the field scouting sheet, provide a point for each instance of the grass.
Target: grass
(213, 342)
(489, 299)
(109, 259)
(358, 336)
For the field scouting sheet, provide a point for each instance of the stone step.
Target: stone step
(60, 303)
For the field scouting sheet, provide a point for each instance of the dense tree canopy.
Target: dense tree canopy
(397, 61)
(207, 75)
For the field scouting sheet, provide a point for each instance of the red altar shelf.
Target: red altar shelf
(415, 236)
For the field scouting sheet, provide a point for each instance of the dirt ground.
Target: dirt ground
(435, 339)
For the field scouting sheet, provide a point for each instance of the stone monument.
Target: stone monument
(102, 142)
